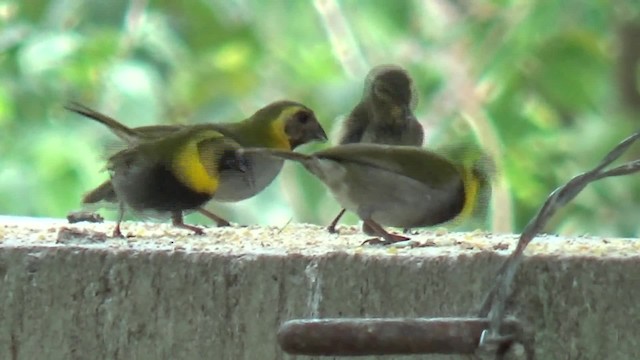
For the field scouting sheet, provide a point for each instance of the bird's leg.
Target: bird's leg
(116, 230)
(367, 229)
(176, 219)
(219, 221)
(332, 227)
(373, 228)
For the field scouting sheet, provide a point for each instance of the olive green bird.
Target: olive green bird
(176, 173)
(281, 125)
(384, 115)
(400, 186)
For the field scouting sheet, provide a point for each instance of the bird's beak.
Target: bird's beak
(320, 135)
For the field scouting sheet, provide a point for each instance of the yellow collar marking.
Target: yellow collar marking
(189, 168)
(280, 139)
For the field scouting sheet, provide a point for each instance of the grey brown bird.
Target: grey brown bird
(401, 186)
(384, 115)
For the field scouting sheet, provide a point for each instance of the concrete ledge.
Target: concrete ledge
(167, 295)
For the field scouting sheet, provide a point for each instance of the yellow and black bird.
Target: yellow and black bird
(172, 174)
(400, 186)
(384, 115)
(281, 125)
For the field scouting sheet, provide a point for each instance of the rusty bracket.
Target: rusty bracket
(394, 336)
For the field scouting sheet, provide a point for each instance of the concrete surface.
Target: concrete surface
(70, 292)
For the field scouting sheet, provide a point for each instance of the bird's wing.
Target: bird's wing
(410, 161)
(354, 126)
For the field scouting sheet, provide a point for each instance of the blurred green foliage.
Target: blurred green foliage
(541, 78)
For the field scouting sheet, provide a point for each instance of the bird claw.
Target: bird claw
(376, 241)
(117, 233)
(332, 230)
(196, 230)
(389, 240)
(223, 223)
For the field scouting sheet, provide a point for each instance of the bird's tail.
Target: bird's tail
(283, 154)
(125, 133)
(481, 171)
(478, 171)
(104, 192)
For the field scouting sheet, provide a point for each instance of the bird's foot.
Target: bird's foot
(388, 239)
(332, 229)
(177, 220)
(196, 230)
(117, 233)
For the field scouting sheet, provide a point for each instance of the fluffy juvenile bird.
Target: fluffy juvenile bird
(400, 186)
(280, 125)
(172, 174)
(384, 115)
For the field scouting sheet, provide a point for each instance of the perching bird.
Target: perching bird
(401, 186)
(384, 115)
(280, 125)
(175, 173)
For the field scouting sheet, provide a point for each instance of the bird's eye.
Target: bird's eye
(303, 117)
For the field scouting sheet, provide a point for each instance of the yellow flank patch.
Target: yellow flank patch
(471, 188)
(280, 139)
(190, 171)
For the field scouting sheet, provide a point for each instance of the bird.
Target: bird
(396, 185)
(281, 124)
(172, 174)
(384, 115)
